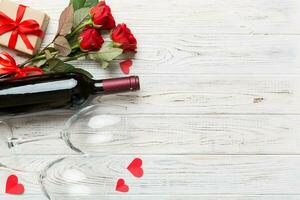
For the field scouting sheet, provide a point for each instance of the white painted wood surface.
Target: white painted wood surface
(218, 114)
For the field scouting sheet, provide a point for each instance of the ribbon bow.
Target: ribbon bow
(19, 27)
(9, 66)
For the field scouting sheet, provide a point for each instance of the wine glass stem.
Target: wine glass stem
(19, 141)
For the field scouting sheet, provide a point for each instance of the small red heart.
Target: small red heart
(13, 187)
(121, 186)
(135, 168)
(125, 66)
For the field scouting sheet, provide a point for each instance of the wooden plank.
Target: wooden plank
(233, 94)
(172, 134)
(206, 17)
(170, 175)
(186, 197)
(211, 54)
(194, 16)
(24, 196)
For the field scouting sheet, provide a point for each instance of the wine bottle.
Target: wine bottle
(61, 90)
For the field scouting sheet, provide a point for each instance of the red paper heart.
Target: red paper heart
(13, 187)
(121, 186)
(125, 66)
(135, 168)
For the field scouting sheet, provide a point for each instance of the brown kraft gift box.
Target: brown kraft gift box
(10, 9)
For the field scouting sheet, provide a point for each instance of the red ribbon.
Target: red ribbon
(19, 27)
(9, 66)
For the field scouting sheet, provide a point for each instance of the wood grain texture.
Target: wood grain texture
(193, 16)
(171, 134)
(169, 175)
(217, 117)
(181, 197)
(179, 175)
(213, 54)
(213, 95)
(219, 36)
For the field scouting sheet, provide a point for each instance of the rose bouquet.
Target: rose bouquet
(87, 29)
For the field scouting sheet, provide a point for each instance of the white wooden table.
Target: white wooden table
(219, 106)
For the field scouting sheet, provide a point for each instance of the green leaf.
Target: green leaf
(91, 3)
(110, 53)
(57, 65)
(3, 76)
(108, 45)
(63, 68)
(80, 15)
(73, 41)
(48, 54)
(104, 64)
(51, 49)
(53, 62)
(105, 54)
(77, 4)
(62, 45)
(66, 21)
(82, 71)
(45, 68)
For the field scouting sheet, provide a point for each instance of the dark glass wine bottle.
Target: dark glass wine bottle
(63, 90)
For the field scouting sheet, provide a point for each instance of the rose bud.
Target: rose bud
(123, 38)
(90, 39)
(102, 17)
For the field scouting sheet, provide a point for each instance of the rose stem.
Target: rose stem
(78, 28)
(75, 57)
(36, 58)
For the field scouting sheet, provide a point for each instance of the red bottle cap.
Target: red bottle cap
(118, 85)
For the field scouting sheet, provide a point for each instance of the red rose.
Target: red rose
(90, 39)
(102, 17)
(124, 38)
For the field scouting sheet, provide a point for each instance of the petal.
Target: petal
(125, 66)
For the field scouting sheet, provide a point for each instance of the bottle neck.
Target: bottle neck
(116, 85)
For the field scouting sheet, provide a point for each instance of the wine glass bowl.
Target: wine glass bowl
(97, 129)
(78, 177)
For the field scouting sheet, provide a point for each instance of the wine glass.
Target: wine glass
(84, 177)
(97, 129)
(97, 177)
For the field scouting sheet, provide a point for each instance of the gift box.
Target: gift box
(21, 28)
